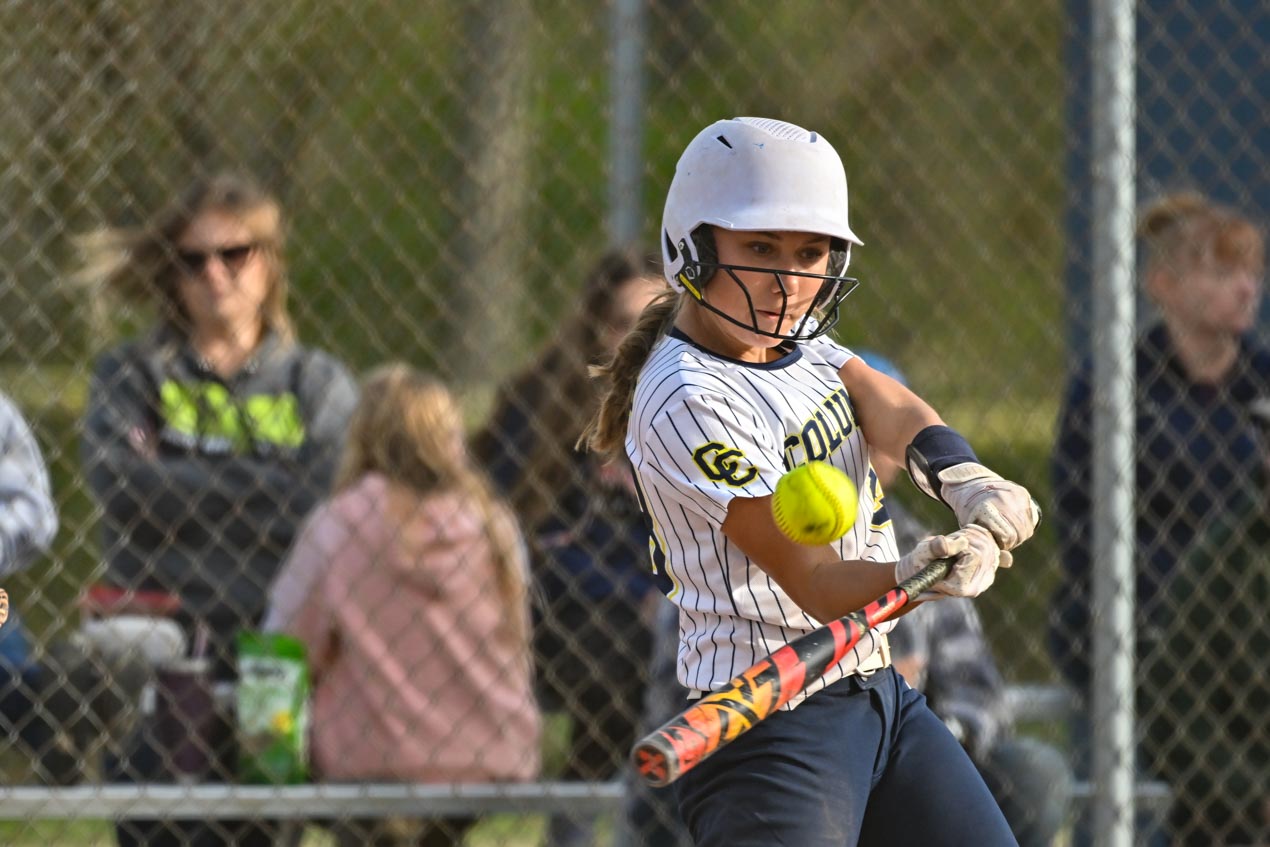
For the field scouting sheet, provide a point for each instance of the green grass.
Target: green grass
(497, 831)
(56, 834)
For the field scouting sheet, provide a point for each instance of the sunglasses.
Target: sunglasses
(233, 258)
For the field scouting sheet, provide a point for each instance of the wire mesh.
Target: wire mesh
(449, 187)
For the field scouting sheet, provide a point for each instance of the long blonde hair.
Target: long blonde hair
(138, 264)
(606, 432)
(1180, 232)
(409, 428)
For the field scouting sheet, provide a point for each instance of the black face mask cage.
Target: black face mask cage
(821, 317)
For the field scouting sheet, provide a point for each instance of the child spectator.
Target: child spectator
(409, 589)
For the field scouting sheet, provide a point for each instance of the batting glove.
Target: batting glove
(975, 555)
(979, 496)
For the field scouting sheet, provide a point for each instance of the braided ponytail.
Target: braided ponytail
(606, 432)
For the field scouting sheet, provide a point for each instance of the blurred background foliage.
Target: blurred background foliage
(445, 165)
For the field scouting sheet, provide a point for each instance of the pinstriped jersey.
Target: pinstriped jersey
(705, 429)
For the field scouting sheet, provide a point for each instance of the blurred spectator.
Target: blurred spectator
(1200, 384)
(1210, 728)
(207, 440)
(409, 589)
(28, 522)
(589, 540)
(28, 518)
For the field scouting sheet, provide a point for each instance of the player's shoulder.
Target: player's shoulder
(677, 367)
(826, 351)
(678, 374)
(130, 359)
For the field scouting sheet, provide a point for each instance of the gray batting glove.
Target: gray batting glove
(975, 555)
(979, 496)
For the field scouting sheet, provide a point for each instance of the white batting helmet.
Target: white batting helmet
(756, 174)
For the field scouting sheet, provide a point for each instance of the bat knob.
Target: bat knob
(652, 765)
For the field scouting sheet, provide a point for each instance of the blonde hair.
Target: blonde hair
(1184, 231)
(409, 428)
(138, 264)
(606, 432)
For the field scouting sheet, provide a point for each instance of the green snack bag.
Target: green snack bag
(273, 708)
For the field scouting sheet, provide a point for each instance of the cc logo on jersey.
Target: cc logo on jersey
(720, 463)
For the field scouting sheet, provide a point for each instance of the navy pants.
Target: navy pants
(863, 762)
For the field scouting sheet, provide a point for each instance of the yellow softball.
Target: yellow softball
(815, 503)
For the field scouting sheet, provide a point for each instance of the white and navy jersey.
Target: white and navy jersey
(705, 429)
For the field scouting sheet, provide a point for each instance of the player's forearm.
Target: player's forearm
(893, 438)
(834, 589)
(813, 576)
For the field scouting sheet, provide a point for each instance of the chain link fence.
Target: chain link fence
(470, 188)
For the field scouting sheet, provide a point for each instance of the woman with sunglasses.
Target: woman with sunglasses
(207, 440)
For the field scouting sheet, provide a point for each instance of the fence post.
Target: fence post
(1113, 342)
(626, 162)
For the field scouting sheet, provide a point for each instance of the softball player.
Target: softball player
(720, 389)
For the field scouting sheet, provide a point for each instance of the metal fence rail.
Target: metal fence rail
(305, 802)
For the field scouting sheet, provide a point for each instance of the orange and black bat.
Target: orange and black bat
(699, 731)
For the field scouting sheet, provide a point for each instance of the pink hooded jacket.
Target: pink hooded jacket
(416, 677)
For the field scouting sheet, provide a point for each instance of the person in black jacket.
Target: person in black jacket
(1200, 381)
(208, 439)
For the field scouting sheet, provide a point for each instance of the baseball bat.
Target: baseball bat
(718, 719)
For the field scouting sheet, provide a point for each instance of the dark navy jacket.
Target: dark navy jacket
(594, 545)
(1199, 450)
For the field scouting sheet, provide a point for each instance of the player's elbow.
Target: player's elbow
(821, 605)
(815, 607)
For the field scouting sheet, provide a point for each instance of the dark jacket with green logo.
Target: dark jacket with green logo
(204, 481)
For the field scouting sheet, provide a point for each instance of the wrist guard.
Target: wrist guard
(935, 449)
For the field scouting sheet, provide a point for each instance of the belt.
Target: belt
(880, 659)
